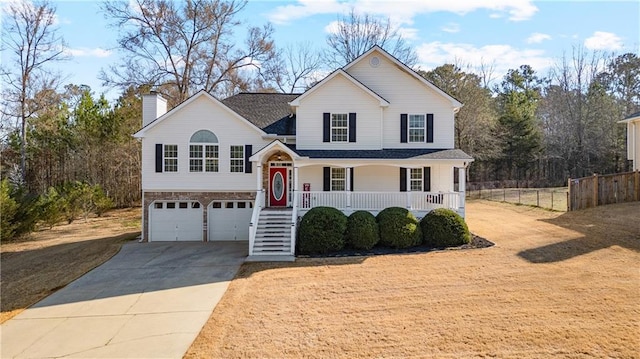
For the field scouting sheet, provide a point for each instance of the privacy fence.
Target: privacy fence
(597, 190)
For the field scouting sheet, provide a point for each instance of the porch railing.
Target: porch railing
(417, 201)
(255, 215)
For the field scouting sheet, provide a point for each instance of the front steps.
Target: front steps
(273, 236)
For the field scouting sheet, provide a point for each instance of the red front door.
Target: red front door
(278, 187)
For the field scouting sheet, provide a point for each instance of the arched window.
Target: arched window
(203, 152)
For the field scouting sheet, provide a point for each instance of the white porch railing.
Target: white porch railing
(375, 201)
(255, 215)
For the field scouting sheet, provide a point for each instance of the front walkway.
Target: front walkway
(149, 301)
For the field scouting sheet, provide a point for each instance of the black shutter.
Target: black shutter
(352, 127)
(351, 180)
(159, 157)
(429, 128)
(326, 184)
(248, 151)
(326, 127)
(403, 179)
(426, 179)
(403, 128)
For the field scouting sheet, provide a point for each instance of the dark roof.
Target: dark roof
(632, 115)
(268, 111)
(395, 153)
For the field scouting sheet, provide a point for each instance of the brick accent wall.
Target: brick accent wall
(205, 199)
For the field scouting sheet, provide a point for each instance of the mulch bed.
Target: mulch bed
(476, 242)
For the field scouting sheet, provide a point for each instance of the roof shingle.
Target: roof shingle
(268, 111)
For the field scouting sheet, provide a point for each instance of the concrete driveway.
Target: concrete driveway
(148, 301)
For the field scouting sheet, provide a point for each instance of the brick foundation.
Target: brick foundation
(205, 199)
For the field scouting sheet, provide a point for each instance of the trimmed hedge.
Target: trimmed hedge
(399, 228)
(362, 230)
(321, 231)
(443, 227)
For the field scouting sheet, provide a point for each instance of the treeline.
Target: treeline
(535, 130)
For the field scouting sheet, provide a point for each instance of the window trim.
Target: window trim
(345, 127)
(335, 179)
(166, 167)
(423, 128)
(204, 159)
(238, 165)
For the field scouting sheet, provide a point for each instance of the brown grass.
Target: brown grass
(555, 285)
(36, 266)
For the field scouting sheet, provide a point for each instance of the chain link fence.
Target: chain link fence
(551, 198)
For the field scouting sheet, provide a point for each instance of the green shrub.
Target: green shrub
(51, 207)
(362, 230)
(8, 210)
(399, 228)
(443, 227)
(101, 202)
(321, 230)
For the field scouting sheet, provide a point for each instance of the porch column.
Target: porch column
(348, 185)
(408, 187)
(462, 178)
(259, 197)
(296, 185)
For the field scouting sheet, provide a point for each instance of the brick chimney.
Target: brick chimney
(153, 106)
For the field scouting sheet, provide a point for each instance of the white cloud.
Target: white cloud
(408, 33)
(87, 52)
(516, 10)
(451, 27)
(601, 40)
(332, 27)
(538, 37)
(502, 57)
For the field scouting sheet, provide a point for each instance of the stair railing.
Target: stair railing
(294, 223)
(255, 217)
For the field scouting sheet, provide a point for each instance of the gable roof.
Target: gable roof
(455, 103)
(199, 94)
(268, 111)
(350, 78)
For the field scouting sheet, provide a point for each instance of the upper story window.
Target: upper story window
(416, 128)
(339, 127)
(237, 159)
(170, 155)
(203, 152)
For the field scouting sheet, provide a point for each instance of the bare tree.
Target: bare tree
(357, 33)
(30, 36)
(296, 68)
(182, 47)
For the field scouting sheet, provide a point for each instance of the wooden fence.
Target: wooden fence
(597, 190)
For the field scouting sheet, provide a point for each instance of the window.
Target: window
(339, 127)
(203, 152)
(171, 158)
(237, 159)
(338, 179)
(416, 128)
(416, 180)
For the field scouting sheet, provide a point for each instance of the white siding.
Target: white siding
(633, 143)
(406, 94)
(376, 179)
(200, 114)
(339, 95)
(153, 106)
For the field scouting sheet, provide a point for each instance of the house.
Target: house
(633, 139)
(371, 135)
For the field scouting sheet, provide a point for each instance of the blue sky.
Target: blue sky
(505, 33)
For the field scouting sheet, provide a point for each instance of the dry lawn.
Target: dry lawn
(34, 267)
(555, 285)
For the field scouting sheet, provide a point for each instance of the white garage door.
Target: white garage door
(229, 220)
(175, 221)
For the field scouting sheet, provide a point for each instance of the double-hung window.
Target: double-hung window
(417, 128)
(203, 152)
(338, 179)
(339, 127)
(237, 159)
(416, 180)
(170, 158)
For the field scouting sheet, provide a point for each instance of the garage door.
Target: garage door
(229, 220)
(175, 221)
